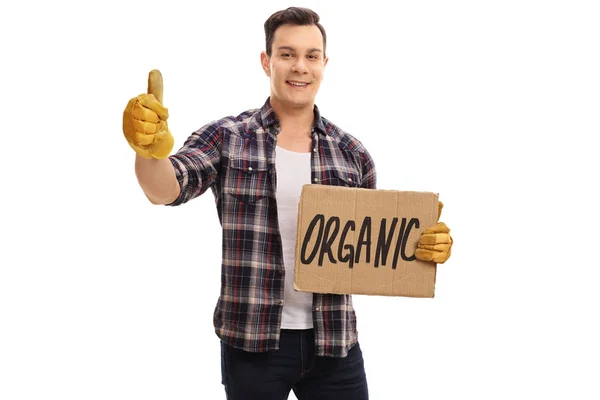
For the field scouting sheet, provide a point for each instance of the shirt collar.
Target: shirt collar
(269, 118)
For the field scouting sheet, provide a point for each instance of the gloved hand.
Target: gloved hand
(145, 121)
(435, 243)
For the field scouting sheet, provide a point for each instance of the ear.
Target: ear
(265, 62)
(324, 65)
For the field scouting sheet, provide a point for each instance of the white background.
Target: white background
(495, 105)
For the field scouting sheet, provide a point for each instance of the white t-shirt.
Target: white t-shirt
(293, 171)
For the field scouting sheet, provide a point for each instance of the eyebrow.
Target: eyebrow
(313, 50)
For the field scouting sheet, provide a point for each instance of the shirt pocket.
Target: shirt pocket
(247, 180)
(342, 176)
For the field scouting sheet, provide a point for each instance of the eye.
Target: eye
(286, 55)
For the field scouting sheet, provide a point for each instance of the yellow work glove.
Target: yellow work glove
(145, 121)
(435, 243)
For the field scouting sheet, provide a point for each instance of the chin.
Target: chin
(294, 102)
(301, 103)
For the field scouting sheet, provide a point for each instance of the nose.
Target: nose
(300, 66)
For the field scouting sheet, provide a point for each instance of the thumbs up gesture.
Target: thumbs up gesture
(145, 121)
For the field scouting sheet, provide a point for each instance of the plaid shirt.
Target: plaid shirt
(235, 158)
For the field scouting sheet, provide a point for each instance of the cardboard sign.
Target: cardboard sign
(361, 241)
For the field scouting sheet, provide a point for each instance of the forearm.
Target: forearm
(157, 179)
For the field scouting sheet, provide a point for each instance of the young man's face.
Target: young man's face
(296, 65)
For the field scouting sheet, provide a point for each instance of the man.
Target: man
(274, 339)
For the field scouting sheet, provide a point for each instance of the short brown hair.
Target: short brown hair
(292, 16)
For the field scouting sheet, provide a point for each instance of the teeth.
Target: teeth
(297, 83)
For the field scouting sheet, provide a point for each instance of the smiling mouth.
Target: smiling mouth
(297, 84)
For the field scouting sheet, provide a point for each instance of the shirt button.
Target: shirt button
(315, 150)
(317, 308)
(350, 180)
(280, 302)
(250, 169)
(316, 180)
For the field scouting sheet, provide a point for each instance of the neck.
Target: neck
(294, 121)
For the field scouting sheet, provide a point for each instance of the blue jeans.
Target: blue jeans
(273, 375)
